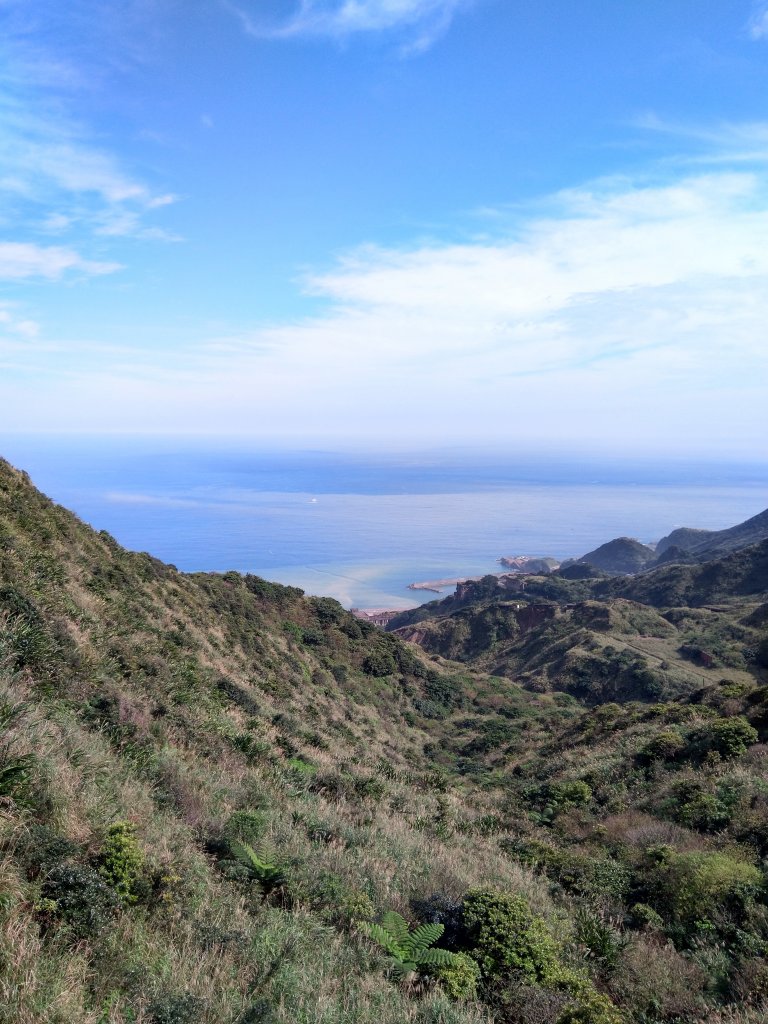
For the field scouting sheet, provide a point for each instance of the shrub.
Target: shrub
(560, 796)
(121, 862)
(459, 978)
(81, 898)
(643, 916)
(592, 1008)
(379, 663)
(504, 935)
(43, 847)
(173, 1009)
(338, 903)
(665, 746)
(260, 1012)
(703, 811)
(247, 826)
(696, 885)
(728, 737)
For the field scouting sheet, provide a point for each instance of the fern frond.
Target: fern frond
(436, 957)
(423, 937)
(383, 937)
(261, 864)
(399, 969)
(247, 855)
(397, 926)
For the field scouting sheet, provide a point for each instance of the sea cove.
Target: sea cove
(361, 527)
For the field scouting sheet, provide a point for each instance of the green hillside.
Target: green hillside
(224, 802)
(622, 555)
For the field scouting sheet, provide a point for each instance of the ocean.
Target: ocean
(361, 527)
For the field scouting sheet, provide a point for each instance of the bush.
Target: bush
(441, 909)
(592, 1008)
(665, 746)
(728, 737)
(379, 664)
(460, 977)
(699, 885)
(42, 847)
(247, 826)
(121, 862)
(81, 898)
(171, 1009)
(504, 935)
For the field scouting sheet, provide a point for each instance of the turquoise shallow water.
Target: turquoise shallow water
(361, 527)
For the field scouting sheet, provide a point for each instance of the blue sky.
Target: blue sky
(387, 222)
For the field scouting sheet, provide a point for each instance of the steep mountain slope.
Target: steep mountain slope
(622, 555)
(743, 573)
(212, 789)
(707, 544)
(685, 538)
(753, 531)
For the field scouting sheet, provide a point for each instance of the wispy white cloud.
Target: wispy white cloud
(644, 304)
(423, 20)
(56, 175)
(721, 143)
(758, 23)
(68, 182)
(23, 260)
(14, 324)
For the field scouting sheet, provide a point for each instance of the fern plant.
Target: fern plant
(409, 951)
(261, 865)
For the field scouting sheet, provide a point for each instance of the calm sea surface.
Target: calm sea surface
(360, 528)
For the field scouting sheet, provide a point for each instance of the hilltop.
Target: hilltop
(218, 793)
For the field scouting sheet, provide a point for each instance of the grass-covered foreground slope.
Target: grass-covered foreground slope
(223, 802)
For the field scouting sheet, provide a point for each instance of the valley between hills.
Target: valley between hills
(541, 800)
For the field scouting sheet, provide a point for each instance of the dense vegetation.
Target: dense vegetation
(223, 802)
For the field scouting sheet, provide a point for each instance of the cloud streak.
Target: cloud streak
(758, 23)
(23, 260)
(423, 20)
(617, 311)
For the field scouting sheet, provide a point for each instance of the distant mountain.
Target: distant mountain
(707, 544)
(622, 555)
(528, 564)
(685, 538)
(741, 573)
(722, 542)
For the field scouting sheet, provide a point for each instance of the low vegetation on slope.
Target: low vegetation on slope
(223, 802)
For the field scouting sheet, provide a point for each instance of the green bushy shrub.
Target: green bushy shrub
(175, 1009)
(503, 935)
(728, 737)
(42, 847)
(460, 977)
(121, 863)
(246, 826)
(80, 897)
(699, 885)
(379, 663)
(592, 1008)
(665, 746)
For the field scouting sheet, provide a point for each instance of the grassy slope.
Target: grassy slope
(131, 692)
